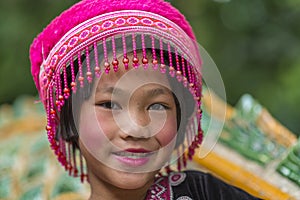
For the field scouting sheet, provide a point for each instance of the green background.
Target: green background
(255, 44)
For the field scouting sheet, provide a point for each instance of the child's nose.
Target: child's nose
(140, 117)
(135, 123)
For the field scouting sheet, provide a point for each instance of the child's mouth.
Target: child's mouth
(133, 157)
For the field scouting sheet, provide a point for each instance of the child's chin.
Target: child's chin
(131, 181)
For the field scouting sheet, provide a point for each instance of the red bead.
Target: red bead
(82, 176)
(178, 72)
(89, 73)
(48, 128)
(191, 85)
(125, 60)
(135, 60)
(80, 78)
(178, 165)
(106, 64)
(200, 135)
(171, 68)
(66, 90)
(97, 69)
(52, 111)
(53, 142)
(115, 62)
(60, 97)
(75, 172)
(154, 61)
(145, 61)
(73, 84)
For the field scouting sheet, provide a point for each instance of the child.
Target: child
(121, 84)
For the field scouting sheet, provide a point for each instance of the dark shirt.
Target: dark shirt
(194, 185)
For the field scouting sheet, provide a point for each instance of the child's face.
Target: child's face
(128, 126)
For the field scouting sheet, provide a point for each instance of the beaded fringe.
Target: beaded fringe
(62, 87)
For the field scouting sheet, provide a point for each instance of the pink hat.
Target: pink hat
(92, 24)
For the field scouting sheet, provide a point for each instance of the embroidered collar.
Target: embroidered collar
(162, 187)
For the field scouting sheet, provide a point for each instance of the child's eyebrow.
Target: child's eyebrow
(111, 90)
(157, 91)
(148, 93)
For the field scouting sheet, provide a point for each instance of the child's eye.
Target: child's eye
(110, 105)
(157, 106)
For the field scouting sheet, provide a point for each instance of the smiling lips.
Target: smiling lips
(133, 157)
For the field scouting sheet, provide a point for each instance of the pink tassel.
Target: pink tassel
(135, 58)
(178, 160)
(88, 65)
(70, 159)
(145, 60)
(106, 63)
(73, 83)
(125, 59)
(66, 89)
(185, 80)
(75, 169)
(97, 68)
(59, 96)
(178, 71)
(115, 61)
(82, 175)
(154, 58)
(171, 68)
(162, 61)
(80, 78)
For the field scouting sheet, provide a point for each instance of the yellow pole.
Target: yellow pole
(239, 177)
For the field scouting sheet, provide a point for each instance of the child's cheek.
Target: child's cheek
(168, 133)
(92, 131)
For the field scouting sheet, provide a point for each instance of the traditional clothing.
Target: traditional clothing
(190, 185)
(67, 56)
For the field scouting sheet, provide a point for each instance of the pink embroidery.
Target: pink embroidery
(63, 50)
(161, 25)
(147, 21)
(107, 24)
(176, 178)
(84, 34)
(91, 31)
(133, 20)
(160, 190)
(95, 29)
(120, 21)
(73, 42)
(54, 60)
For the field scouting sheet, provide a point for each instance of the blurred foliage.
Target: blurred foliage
(21, 21)
(255, 44)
